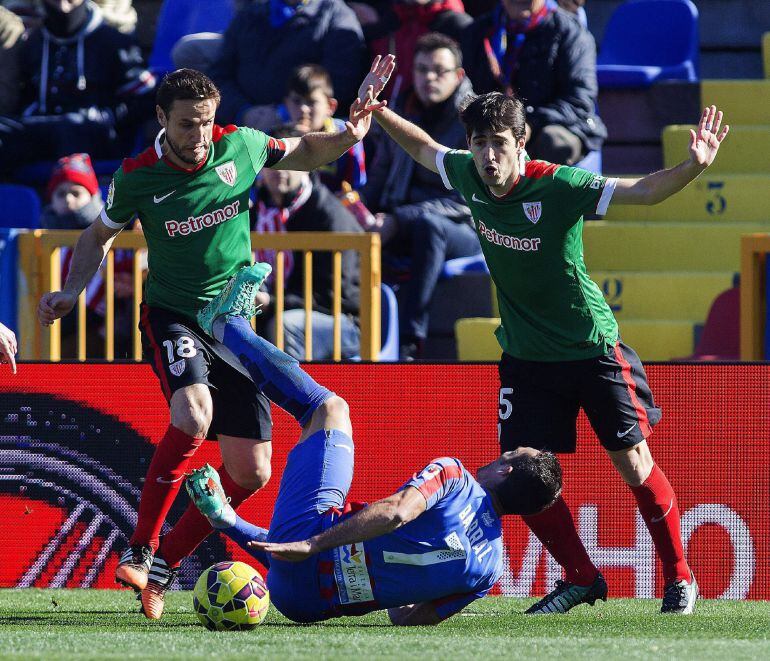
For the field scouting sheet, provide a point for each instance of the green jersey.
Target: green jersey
(196, 223)
(532, 239)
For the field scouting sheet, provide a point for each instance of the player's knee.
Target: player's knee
(634, 464)
(335, 408)
(251, 478)
(192, 411)
(334, 413)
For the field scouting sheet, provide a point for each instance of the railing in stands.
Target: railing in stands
(40, 264)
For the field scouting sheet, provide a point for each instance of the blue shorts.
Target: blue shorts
(317, 477)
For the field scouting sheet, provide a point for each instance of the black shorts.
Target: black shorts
(181, 355)
(539, 402)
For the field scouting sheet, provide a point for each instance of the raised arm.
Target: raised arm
(90, 250)
(316, 149)
(416, 142)
(411, 138)
(377, 519)
(658, 186)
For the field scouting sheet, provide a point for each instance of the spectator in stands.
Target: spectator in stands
(201, 50)
(576, 7)
(549, 60)
(82, 84)
(268, 40)
(120, 14)
(74, 201)
(394, 27)
(430, 223)
(16, 17)
(310, 105)
(8, 347)
(298, 202)
(73, 195)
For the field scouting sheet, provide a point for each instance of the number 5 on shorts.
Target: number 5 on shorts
(505, 409)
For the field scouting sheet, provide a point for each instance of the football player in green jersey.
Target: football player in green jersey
(191, 193)
(560, 341)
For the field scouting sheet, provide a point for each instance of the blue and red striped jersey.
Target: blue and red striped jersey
(450, 555)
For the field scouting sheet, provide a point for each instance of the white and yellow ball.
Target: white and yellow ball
(230, 596)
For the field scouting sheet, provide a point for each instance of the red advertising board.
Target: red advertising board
(76, 440)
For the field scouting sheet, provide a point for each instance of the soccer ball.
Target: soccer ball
(230, 596)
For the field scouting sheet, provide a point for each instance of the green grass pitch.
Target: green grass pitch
(96, 624)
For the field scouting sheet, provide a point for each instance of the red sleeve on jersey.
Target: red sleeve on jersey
(276, 150)
(220, 132)
(539, 169)
(146, 159)
(439, 480)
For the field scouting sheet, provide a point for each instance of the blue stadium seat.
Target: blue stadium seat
(592, 162)
(649, 40)
(178, 18)
(388, 324)
(20, 207)
(38, 173)
(459, 265)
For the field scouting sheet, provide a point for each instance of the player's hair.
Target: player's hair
(494, 112)
(185, 84)
(433, 41)
(533, 484)
(308, 78)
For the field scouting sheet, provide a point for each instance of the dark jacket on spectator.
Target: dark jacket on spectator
(323, 212)
(394, 179)
(401, 24)
(257, 59)
(98, 72)
(556, 77)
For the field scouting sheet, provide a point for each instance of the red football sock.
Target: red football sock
(555, 529)
(659, 509)
(162, 483)
(192, 528)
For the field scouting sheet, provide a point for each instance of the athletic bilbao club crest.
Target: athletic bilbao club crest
(177, 368)
(227, 172)
(111, 195)
(533, 210)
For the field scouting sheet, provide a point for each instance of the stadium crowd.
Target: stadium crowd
(77, 92)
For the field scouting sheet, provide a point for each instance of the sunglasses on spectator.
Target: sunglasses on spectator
(424, 71)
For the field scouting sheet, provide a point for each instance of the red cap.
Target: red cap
(75, 168)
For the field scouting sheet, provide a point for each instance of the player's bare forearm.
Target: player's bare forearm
(377, 519)
(313, 150)
(92, 246)
(410, 137)
(658, 186)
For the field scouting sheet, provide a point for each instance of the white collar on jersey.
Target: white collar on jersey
(158, 150)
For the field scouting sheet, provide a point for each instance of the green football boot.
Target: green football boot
(236, 297)
(205, 490)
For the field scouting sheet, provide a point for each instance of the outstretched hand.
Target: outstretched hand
(360, 118)
(54, 305)
(704, 144)
(8, 347)
(288, 551)
(378, 76)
